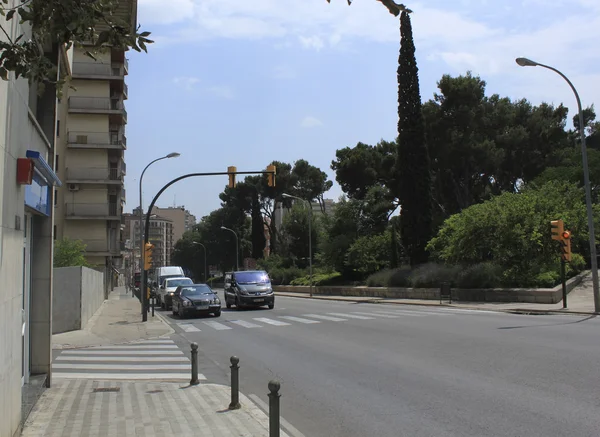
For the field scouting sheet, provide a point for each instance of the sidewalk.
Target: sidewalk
(85, 408)
(119, 320)
(149, 408)
(580, 301)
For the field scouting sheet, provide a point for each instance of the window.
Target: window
(56, 164)
(55, 198)
(58, 128)
(54, 233)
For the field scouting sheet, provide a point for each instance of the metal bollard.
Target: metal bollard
(235, 383)
(274, 396)
(194, 380)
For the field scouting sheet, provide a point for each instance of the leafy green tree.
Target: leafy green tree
(512, 231)
(370, 253)
(69, 253)
(412, 165)
(295, 230)
(56, 23)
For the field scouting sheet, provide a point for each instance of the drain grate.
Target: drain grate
(107, 390)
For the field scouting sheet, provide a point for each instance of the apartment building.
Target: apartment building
(182, 219)
(91, 144)
(161, 234)
(27, 182)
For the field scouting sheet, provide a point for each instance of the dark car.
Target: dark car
(248, 289)
(196, 299)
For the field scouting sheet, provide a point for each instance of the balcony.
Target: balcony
(92, 211)
(100, 247)
(98, 71)
(126, 65)
(123, 196)
(99, 105)
(94, 175)
(96, 140)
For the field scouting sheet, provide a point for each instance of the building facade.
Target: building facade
(182, 219)
(27, 183)
(91, 144)
(161, 234)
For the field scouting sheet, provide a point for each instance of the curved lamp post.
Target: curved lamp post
(309, 206)
(237, 255)
(143, 280)
(524, 62)
(203, 247)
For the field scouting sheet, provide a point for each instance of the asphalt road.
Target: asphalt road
(407, 370)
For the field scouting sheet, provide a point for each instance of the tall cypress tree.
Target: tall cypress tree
(412, 165)
(258, 229)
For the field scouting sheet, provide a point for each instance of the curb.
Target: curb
(437, 305)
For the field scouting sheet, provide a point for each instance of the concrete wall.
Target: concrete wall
(78, 293)
(523, 295)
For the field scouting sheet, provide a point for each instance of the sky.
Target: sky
(243, 83)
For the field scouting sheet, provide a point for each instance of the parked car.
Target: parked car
(167, 289)
(161, 273)
(196, 299)
(248, 289)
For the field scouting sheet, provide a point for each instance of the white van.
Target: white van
(161, 273)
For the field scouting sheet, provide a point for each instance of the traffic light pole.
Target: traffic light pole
(144, 273)
(563, 279)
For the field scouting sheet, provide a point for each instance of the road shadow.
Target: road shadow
(551, 324)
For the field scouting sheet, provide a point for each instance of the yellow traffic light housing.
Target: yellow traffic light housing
(271, 171)
(558, 229)
(231, 171)
(148, 248)
(566, 246)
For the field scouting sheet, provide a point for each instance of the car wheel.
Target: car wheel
(218, 313)
(237, 305)
(228, 305)
(271, 306)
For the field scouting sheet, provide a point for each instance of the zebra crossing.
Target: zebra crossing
(225, 324)
(144, 360)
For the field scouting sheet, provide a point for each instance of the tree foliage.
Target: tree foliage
(370, 253)
(412, 164)
(46, 23)
(295, 232)
(512, 231)
(69, 253)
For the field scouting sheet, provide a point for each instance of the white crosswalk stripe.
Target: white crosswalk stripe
(245, 324)
(300, 320)
(216, 325)
(188, 327)
(352, 316)
(399, 313)
(322, 317)
(147, 360)
(378, 314)
(271, 321)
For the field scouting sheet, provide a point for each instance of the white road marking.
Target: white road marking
(122, 367)
(400, 313)
(188, 327)
(377, 314)
(129, 376)
(299, 319)
(131, 347)
(352, 316)
(216, 325)
(245, 324)
(271, 321)
(320, 316)
(119, 352)
(119, 359)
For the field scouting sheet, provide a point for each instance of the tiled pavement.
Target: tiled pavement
(87, 408)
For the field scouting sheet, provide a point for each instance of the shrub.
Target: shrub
(319, 279)
(399, 277)
(283, 276)
(432, 275)
(482, 275)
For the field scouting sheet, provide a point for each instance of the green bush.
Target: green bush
(432, 275)
(319, 279)
(482, 275)
(399, 277)
(283, 276)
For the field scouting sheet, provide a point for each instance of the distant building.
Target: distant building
(280, 212)
(161, 234)
(182, 219)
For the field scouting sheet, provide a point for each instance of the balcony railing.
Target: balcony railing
(97, 69)
(100, 139)
(92, 210)
(125, 90)
(96, 104)
(123, 167)
(126, 65)
(96, 245)
(93, 174)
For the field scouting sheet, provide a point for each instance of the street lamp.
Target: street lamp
(524, 62)
(204, 247)
(237, 256)
(289, 196)
(143, 279)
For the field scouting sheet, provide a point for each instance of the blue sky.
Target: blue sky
(232, 82)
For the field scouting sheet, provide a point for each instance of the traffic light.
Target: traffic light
(566, 246)
(231, 170)
(558, 229)
(148, 248)
(271, 175)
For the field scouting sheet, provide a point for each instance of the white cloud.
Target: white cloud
(156, 12)
(310, 121)
(312, 42)
(186, 82)
(222, 91)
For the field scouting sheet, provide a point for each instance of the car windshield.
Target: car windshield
(252, 278)
(196, 290)
(177, 282)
